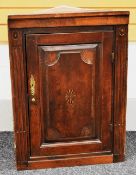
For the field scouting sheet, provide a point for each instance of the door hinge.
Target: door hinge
(111, 127)
(113, 57)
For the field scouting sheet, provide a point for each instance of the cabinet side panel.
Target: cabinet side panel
(19, 97)
(120, 92)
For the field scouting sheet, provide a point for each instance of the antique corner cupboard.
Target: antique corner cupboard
(69, 80)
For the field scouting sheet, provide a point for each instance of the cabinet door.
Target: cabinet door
(70, 93)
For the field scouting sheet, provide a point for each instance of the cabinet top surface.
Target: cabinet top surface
(66, 11)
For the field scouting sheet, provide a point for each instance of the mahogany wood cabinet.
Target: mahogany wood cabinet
(69, 80)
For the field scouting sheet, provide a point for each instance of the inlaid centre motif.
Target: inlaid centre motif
(70, 96)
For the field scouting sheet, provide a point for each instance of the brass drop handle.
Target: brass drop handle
(32, 88)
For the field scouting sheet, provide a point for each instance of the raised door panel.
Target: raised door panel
(68, 77)
(70, 89)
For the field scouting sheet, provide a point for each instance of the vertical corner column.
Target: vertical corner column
(19, 97)
(120, 93)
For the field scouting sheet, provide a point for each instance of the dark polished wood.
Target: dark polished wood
(69, 79)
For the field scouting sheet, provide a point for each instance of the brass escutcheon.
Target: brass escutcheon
(32, 87)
